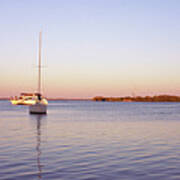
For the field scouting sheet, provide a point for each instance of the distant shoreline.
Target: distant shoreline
(157, 98)
(1, 99)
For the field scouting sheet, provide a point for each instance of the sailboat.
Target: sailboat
(40, 105)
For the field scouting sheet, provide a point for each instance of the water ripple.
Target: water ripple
(91, 141)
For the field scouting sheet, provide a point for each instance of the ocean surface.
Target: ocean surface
(84, 140)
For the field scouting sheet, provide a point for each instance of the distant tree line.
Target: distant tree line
(160, 98)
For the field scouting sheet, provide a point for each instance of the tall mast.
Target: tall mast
(39, 66)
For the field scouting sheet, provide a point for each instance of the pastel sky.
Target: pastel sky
(90, 47)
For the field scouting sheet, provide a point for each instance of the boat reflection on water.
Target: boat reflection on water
(38, 118)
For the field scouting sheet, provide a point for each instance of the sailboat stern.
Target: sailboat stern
(38, 108)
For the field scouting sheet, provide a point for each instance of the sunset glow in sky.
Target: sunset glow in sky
(90, 47)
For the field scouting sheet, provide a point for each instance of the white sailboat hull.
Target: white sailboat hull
(27, 102)
(22, 102)
(38, 108)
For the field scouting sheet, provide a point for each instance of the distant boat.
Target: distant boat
(40, 105)
(26, 99)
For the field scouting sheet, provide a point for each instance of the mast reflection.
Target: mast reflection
(38, 119)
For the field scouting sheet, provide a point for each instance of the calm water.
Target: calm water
(90, 140)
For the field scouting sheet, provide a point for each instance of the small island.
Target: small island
(159, 98)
